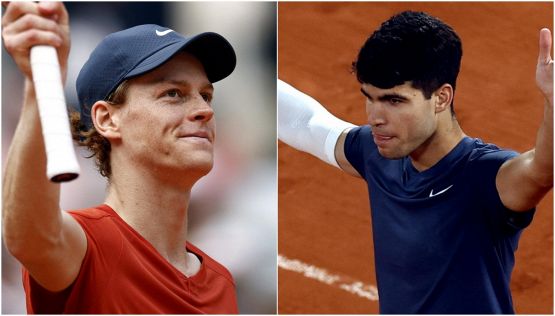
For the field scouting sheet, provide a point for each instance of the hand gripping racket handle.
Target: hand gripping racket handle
(61, 162)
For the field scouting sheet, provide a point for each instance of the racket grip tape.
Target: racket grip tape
(61, 161)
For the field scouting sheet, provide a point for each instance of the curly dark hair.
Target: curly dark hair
(410, 46)
(97, 144)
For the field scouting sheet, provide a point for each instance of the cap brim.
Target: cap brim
(214, 52)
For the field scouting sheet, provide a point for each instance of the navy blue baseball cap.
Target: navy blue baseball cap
(139, 49)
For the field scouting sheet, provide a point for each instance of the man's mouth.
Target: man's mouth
(198, 136)
(380, 139)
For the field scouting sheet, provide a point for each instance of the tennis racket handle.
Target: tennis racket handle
(61, 162)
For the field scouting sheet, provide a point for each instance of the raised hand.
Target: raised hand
(26, 24)
(544, 70)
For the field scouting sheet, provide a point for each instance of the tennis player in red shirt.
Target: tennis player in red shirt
(145, 96)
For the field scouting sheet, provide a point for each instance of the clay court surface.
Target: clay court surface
(324, 218)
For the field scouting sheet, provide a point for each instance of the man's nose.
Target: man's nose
(375, 114)
(202, 111)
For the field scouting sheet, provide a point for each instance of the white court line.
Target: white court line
(356, 287)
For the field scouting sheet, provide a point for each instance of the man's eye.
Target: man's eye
(395, 101)
(207, 97)
(173, 93)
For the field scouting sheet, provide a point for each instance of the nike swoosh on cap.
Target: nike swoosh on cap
(162, 33)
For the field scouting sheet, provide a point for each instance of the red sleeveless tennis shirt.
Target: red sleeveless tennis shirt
(122, 273)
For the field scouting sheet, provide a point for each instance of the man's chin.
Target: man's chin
(191, 172)
(387, 154)
(202, 167)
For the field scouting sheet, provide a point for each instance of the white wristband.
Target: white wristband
(306, 125)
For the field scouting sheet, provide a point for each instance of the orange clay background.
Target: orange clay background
(324, 217)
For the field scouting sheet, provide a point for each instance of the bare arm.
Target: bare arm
(48, 242)
(342, 158)
(523, 181)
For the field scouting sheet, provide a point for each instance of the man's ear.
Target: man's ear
(444, 97)
(105, 118)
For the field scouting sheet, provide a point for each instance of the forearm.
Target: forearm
(306, 125)
(31, 216)
(542, 163)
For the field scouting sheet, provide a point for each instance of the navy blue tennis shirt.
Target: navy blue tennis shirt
(444, 243)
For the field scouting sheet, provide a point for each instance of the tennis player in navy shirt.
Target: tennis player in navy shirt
(447, 209)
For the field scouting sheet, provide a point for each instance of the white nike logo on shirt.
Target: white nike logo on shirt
(160, 33)
(442, 191)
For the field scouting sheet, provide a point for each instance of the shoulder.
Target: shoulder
(358, 132)
(359, 141)
(211, 264)
(489, 155)
(101, 225)
(358, 147)
(93, 213)
(485, 150)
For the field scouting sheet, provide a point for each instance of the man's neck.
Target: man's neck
(157, 210)
(446, 137)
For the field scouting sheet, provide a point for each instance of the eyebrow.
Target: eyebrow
(385, 97)
(181, 83)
